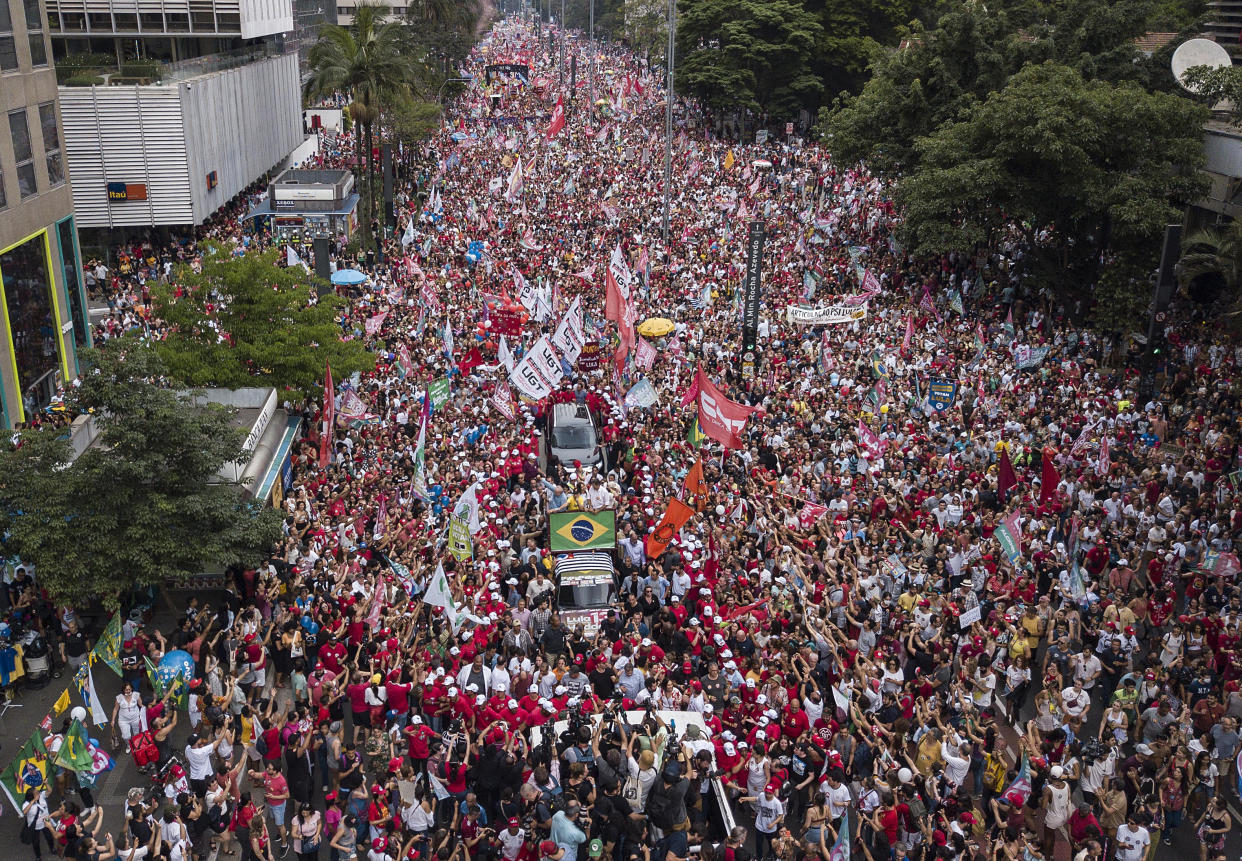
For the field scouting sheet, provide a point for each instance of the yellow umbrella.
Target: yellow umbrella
(655, 327)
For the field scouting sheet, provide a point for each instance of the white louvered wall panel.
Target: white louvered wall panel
(131, 134)
(239, 123)
(242, 122)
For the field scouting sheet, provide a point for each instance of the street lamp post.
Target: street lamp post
(668, 118)
(561, 26)
(447, 81)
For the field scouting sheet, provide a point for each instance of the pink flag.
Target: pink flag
(644, 354)
(868, 439)
(905, 342)
(502, 400)
(373, 323)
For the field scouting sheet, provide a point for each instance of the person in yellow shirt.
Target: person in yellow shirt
(928, 755)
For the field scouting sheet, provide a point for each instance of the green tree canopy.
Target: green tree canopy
(141, 507)
(752, 54)
(244, 321)
(1075, 168)
(940, 73)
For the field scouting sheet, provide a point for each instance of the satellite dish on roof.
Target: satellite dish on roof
(1198, 52)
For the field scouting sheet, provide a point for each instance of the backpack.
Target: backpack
(918, 810)
(260, 744)
(659, 808)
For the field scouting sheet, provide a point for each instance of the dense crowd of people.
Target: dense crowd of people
(871, 670)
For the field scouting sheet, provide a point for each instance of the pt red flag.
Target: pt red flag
(329, 418)
(1006, 478)
(1048, 478)
(471, 360)
(720, 418)
(675, 517)
(558, 119)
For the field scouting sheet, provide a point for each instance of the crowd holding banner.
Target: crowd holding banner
(933, 582)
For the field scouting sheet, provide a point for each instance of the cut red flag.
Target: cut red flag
(1005, 476)
(675, 517)
(472, 359)
(329, 418)
(558, 119)
(692, 393)
(720, 418)
(1048, 478)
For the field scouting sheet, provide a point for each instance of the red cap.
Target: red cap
(547, 847)
(514, 822)
(771, 787)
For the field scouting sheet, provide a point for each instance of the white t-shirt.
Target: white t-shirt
(1132, 844)
(767, 812)
(510, 844)
(199, 760)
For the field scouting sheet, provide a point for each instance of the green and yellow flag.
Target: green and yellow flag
(695, 435)
(28, 770)
(109, 646)
(75, 752)
(582, 530)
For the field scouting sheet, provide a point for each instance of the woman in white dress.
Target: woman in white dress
(129, 715)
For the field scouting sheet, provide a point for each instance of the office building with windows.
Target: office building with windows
(43, 310)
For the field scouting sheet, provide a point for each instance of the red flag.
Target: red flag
(627, 343)
(329, 418)
(472, 359)
(691, 393)
(614, 302)
(558, 119)
(810, 514)
(1005, 476)
(720, 418)
(675, 517)
(1049, 478)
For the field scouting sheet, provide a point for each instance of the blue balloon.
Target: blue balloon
(178, 662)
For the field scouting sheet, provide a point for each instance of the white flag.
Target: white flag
(438, 593)
(505, 354)
(99, 715)
(467, 508)
(408, 237)
(294, 259)
(515, 179)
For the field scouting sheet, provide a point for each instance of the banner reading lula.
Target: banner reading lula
(825, 315)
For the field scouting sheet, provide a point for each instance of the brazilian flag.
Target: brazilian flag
(28, 770)
(75, 753)
(582, 530)
(695, 435)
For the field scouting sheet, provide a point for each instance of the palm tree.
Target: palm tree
(368, 60)
(1213, 251)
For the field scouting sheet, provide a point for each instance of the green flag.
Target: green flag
(109, 646)
(460, 544)
(75, 753)
(439, 392)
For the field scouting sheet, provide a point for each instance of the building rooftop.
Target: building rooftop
(1150, 43)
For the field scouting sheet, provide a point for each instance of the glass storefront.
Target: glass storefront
(32, 324)
(73, 281)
